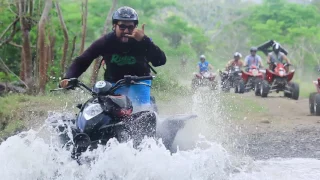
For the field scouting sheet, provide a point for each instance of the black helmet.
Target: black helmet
(253, 49)
(276, 47)
(125, 13)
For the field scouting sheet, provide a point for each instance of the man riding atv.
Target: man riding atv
(126, 51)
(236, 61)
(253, 59)
(203, 65)
(204, 77)
(276, 56)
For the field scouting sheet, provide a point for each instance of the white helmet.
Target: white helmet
(237, 54)
(202, 56)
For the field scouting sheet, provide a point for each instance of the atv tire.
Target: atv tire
(294, 91)
(240, 87)
(225, 86)
(214, 85)
(288, 95)
(311, 102)
(257, 90)
(316, 105)
(264, 88)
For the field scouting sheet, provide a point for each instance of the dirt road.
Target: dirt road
(285, 129)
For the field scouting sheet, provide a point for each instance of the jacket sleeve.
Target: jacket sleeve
(153, 53)
(81, 63)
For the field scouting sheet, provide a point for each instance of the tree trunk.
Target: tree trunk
(51, 57)
(97, 62)
(84, 24)
(22, 67)
(72, 51)
(95, 72)
(108, 18)
(42, 46)
(26, 45)
(66, 40)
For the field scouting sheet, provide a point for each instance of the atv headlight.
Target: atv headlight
(255, 72)
(281, 72)
(91, 111)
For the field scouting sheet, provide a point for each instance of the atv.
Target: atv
(279, 80)
(232, 79)
(314, 99)
(109, 115)
(252, 79)
(204, 79)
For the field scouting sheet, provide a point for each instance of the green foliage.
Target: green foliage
(7, 77)
(175, 35)
(165, 86)
(282, 21)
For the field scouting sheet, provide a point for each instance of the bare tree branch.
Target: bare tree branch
(9, 71)
(72, 49)
(7, 29)
(18, 45)
(13, 32)
(9, 7)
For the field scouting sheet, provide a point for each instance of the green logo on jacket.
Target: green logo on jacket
(123, 60)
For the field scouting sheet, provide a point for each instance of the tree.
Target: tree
(25, 13)
(42, 46)
(84, 24)
(66, 39)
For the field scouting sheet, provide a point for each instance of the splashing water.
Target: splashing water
(31, 155)
(26, 156)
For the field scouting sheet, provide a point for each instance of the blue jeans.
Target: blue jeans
(138, 94)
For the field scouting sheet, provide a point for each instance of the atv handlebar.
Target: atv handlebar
(284, 64)
(130, 80)
(137, 78)
(126, 81)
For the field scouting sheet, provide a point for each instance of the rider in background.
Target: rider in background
(253, 59)
(277, 56)
(236, 61)
(126, 51)
(204, 65)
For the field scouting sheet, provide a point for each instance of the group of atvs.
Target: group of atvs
(261, 81)
(109, 115)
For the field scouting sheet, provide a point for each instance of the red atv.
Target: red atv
(314, 99)
(204, 79)
(279, 80)
(251, 79)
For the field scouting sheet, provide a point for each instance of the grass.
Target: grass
(240, 106)
(16, 110)
(11, 128)
(306, 87)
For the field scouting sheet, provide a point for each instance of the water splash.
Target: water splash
(39, 155)
(27, 156)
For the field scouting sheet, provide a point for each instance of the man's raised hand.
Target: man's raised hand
(137, 34)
